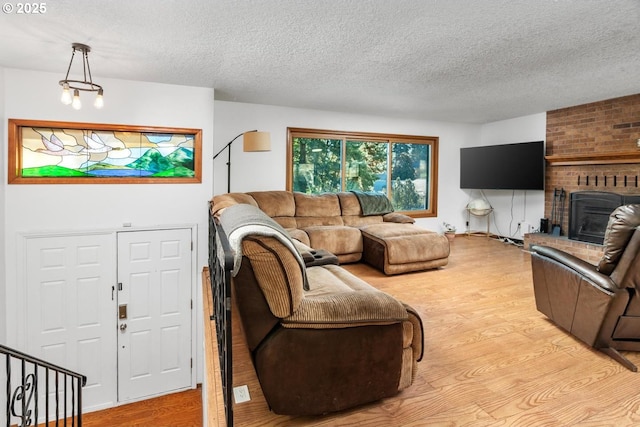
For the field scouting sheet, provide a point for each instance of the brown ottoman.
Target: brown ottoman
(400, 248)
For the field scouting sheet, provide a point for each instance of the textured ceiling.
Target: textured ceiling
(453, 60)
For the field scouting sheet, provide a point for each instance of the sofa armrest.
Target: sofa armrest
(575, 264)
(346, 309)
(417, 341)
(314, 257)
(319, 257)
(398, 218)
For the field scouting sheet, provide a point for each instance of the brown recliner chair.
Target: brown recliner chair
(599, 305)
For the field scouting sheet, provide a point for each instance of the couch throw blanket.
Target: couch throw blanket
(373, 203)
(241, 220)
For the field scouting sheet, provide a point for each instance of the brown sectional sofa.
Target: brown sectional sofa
(321, 339)
(335, 222)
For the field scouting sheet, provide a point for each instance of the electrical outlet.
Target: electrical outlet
(524, 227)
(241, 394)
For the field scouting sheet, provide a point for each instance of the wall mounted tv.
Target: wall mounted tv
(503, 167)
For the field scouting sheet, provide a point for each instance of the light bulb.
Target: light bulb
(66, 94)
(76, 100)
(99, 102)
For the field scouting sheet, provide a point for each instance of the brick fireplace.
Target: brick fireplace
(590, 147)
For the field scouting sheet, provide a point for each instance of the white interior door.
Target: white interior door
(154, 335)
(70, 309)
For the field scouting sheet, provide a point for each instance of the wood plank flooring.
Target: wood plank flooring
(490, 358)
(182, 409)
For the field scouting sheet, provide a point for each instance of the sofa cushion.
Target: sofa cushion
(340, 299)
(349, 204)
(359, 221)
(299, 235)
(275, 203)
(312, 221)
(622, 224)
(352, 212)
(317, 205)
(318, 209)
(223, 201)
(286, 222)
(277, 271)
(406, 243)
(337, 239)
(386, 230)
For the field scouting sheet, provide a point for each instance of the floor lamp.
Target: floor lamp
(252, 141)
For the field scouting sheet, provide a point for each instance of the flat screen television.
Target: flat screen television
(503, 167)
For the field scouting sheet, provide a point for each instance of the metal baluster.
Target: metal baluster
(57, 401)
(24, 392)
(35, 392)
(65, 400)
(46, 396)
(8, 370)
(19, 409)
(220, 265)
(73, 403)
(80, 384)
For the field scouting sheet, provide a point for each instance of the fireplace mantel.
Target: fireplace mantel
(620, 157)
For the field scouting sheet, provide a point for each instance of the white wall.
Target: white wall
(267, 170)
(3, 206)
(34, 208)
(510, 207)
(72, 207)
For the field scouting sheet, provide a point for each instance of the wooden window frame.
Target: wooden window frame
(15, 148)
(373, 137)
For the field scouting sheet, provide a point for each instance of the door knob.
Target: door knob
(123, 326)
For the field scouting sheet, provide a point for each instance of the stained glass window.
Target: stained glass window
(55, 152)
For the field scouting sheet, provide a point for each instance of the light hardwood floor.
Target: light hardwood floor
(490, 358)
(183, 409)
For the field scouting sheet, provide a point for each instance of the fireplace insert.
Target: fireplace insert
(589, 213)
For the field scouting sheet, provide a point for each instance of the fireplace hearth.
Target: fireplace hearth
(589, 213)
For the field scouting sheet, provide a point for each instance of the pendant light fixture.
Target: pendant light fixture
(86, 85)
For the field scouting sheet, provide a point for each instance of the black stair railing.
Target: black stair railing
(220, 267)
(24, 376)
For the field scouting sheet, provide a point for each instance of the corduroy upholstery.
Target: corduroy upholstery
(600, 305)
(340, 344)
(277, 273)
(334, 222)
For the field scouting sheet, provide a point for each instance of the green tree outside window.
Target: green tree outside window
(401, 167)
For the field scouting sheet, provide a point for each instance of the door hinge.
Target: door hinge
(191, 363)
(192, 246)
(192, 304)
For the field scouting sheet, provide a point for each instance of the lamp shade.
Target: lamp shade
(256, 141)
(479, 207)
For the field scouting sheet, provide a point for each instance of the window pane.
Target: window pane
(317, 165)
(401, 167)
(410, 176)
(366, 166)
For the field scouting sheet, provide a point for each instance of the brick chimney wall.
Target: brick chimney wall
(611, 126)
